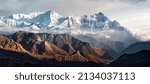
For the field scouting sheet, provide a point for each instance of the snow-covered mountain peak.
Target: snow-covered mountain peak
(116, 22)
(47, 14)
(51, 14)
(24, 16)
(52, 20)
(100, 15)
(48, 18)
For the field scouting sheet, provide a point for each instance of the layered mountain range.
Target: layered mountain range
(137, 59)
(58, 47)
(136, 55)
(50, 19)
(50, 39)
(95, 29)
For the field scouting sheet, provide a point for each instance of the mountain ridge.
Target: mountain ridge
(136, 47)
(51, 19)
(43, 48)
(136, 59)
(54, 23)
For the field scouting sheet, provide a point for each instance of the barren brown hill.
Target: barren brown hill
(17, 59)
(32, 43)
(72, 45)
(60, 47)
(9, 44)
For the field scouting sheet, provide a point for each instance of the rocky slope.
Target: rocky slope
(58, 47)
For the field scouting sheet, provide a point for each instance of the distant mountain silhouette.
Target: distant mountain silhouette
(136, 47)
(138, 59)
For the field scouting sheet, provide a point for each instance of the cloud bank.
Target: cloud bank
(133, 14)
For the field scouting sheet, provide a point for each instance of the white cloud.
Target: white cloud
(133, 14)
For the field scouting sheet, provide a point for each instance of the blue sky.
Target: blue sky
(133, 14)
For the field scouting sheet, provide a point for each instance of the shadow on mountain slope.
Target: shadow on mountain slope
(15, 59)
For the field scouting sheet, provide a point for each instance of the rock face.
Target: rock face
(58, 47)
(72, 45)
(139, 59)
(6, 43)
(111, 47)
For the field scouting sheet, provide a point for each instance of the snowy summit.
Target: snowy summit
(52, 20)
